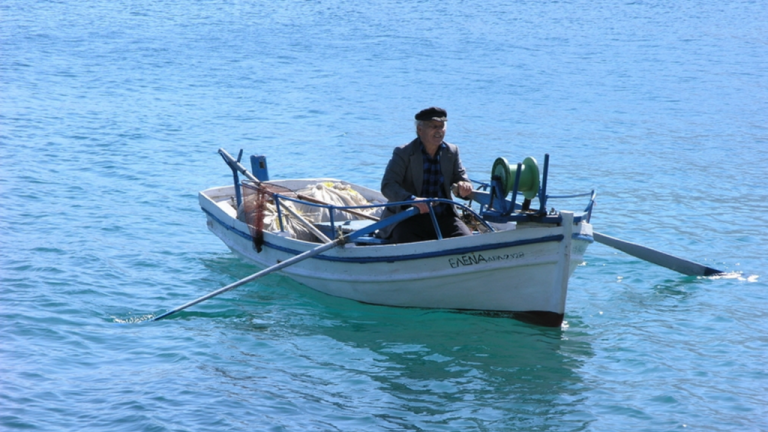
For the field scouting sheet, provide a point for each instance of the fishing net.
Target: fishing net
(254, 208)
(336, 194)
(259, 211)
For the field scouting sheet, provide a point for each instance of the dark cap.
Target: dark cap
(432, 113)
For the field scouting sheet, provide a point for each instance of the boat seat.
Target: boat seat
(368, 240)
(348, 227)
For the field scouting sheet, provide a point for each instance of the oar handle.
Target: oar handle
(237, 165)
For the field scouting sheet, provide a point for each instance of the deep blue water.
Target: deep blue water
(111, 113)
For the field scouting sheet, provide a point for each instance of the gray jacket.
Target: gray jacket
(405, 174)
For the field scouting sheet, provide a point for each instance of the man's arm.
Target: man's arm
(460, 184)
(392, 184)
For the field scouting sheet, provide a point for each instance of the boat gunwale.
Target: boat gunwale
(395, 256)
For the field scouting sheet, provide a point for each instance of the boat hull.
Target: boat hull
(521, 272)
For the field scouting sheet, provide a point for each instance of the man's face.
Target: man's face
(431, 133)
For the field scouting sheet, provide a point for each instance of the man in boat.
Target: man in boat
(427, 167)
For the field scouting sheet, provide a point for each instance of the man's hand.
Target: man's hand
(462, 189)
(422, 206)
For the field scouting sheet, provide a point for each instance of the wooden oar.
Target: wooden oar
(671, 262)
(298, 258)
(653, 256)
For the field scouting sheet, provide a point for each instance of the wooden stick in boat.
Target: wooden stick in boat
(307, 224)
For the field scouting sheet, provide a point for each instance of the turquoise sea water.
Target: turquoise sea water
(111, 113)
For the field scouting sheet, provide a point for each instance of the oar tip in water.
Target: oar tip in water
(133, 319)
(654, 256)
(709, 271)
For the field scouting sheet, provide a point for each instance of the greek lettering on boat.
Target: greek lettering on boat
(473, 259)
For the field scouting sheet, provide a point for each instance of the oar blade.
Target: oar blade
(654, 256)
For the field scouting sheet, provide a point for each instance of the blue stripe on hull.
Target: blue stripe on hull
(446, 252)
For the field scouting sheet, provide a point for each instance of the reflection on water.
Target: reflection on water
(412, 368)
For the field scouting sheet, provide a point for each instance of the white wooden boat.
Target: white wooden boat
(517, 263)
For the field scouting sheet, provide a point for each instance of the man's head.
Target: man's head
(432, 113)
(431, 125)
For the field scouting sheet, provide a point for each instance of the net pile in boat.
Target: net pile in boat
(336, 194)
(260, 212)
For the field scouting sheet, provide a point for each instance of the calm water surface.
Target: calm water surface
(111, 113)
